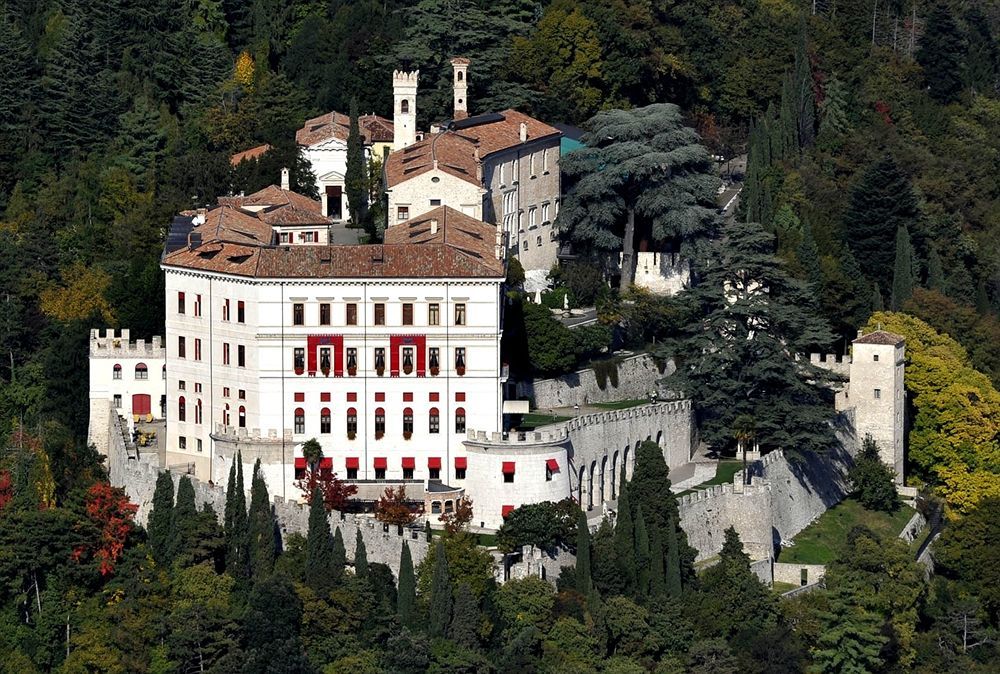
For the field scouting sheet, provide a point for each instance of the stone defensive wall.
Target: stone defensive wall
(706, 514)
(636, 377)
(104, 344)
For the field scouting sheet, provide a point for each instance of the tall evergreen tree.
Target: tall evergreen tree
(739, 356)
(584, 583)
(354, 177)
(902, 275)
(464, 628)
(935, 270)
(805, 97)
(339, 554)
(260, 527)
(643, 175)
(808, 257)
(360, 556)
(15, 64)
(604, 561)
(982, 56)
(940, 54)
(642, 557)
(236, 523)
(185, 515)
(625, 540)
(657, 575)
(439, 617)
(788, 118)
(161, 520)
(673, 562)
(882, 200)
(742, 600)
(406, 601)
(834, 120)
(319, 573)
(851, 638)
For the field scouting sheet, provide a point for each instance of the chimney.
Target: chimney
(404, 110)
(479, 165)
(285, 183)
(461, 86)
(524, 132)
(434, 226)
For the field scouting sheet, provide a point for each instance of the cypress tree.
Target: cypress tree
(339, 556)
(584, 584)
(902, 275)
(805, 98)
(604, 561)
(185, 515)
(673, 565)
(808, 255)
(406, 599)
(657, 578)
(319, 547)
(935, 271)
(625, 541)
(360, 556)
(238, 534)
(466, 618)
(982, 58)
(229, 513)
(354, 178)
(161, 520)
(877, 303)
(788, 120)
(441, 595)
(261, 527)
(642, 557)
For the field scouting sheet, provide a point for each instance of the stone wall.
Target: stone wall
(637, 376)
(784, 572)
(705, 516)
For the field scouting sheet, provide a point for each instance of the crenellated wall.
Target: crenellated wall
(705, 516)
(637, 377)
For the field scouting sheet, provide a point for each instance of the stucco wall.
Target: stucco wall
(661, 273)
(637, 377)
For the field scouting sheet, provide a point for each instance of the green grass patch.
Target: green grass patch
(724, 473)
(485, 540)
(822, 541)
(782, 588)
(620, 404)
(530, 422)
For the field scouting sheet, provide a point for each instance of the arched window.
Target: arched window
(164, 373)
(300, 420)
(436, 507)
(324, 420)
(435, 421)
(141, 372)
(225, 415)
(449, 506)
(379, 422)
(181, 409)
(460, 420)
(407, 422)
(243, 416)
(404, 106)
(117, 372)
(197, 411)
(352, 423)
(459, 76)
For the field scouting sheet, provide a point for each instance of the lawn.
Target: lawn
(723, 475)
(530, 422)
(821, 541)
(485, 540)
(782, 588)
(620, 404)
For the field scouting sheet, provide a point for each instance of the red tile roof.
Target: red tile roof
(454, 151)
(374, 129)
(880, 337)
(252, 153)
(285, 207)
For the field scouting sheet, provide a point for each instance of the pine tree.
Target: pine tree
(15, 65)
(902, 276)
(935, 271)
(673, 562)
(805, 98)
(808, 257)
(834, 122)
(354, 178)
(161, 520)
(625, 540)
(982, 58)
(407, 592)
(882, 200)
(851, 638)
(642, 557)
(439, 617)
(657, 577)
(941, 54)
(338, 557)
(642, 174)
(465, 621)
(360, 556)
(260, 527)
(584, 583)
(319, 573)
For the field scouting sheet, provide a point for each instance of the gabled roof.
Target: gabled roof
(284, 207)
(374, 129)
(227, 223)
(455, 150)
(446, 226)
(252, 153)
(880, 337)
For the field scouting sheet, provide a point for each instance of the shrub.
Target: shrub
(873, 482)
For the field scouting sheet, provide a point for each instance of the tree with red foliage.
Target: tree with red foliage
(459, 519)
(392, 507)
(110, 510)
(6, 488)
(335, 492)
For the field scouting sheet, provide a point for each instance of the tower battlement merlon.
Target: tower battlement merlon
(107, 344)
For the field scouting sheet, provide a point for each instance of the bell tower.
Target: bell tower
(404, 112)
(461, 86)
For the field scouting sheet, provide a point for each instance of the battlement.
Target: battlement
(225, 433)
(757, 486)
(664, 409)
(105, 344)
(828, 359)
(521, 438)
(403, 78)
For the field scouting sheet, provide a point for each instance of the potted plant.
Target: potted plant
(407, 368)
(407, 435)
(351, 435)
(380, 370)
(379, 434)
(352, 370)
(435, 370)
(460, 370)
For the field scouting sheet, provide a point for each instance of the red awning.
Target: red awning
(508, 467)
(380, 462)
(409, 462)
(507, 510)
(326, 463)
(300, 462)
(434, 462)
(461, 462)
(552, 465)
(352, 462)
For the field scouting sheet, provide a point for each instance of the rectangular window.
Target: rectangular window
(532, 217)
(197, 387)
(531, 164)
(241, 394)
(307, 237)
(300, 421)
(352, 361)
(435, 422)
(875, 358)
(538, 241)
(283, 237)
(117, 372)
(299, 360)
(379, 313)
(460, 360)
(225, 391)
(460, 313)
(197, 305)
(298, 314)
(459, 473)
(225, 310)
(181, 384)
(324, 422)
(225, 353)
(181, 348)
(380, 473)
(402, 213)
(241, 356)
(434, 314)
(435, 202)
(434, 473)
(501, 174)
(545, 160)
(434, 358)
(352, 473)
(545, 213)
(197, 349)
(182, 442)
(878, 393)
(407, 313)
(180, 303)
(508, 477)
(407, 473)
(118, 401)
(352, 314)
(379, 361)
(199, 444)
(240, 312)
(379, 423)
(324, 360)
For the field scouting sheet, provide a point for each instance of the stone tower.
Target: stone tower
(404, 115)
(461, 86)
(877, 394)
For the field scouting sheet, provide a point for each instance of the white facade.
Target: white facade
(404, 107)
(329, 164)
(878, 394)
(430, 190)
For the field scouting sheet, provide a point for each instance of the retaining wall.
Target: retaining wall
(637, 376)
(783, 572)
